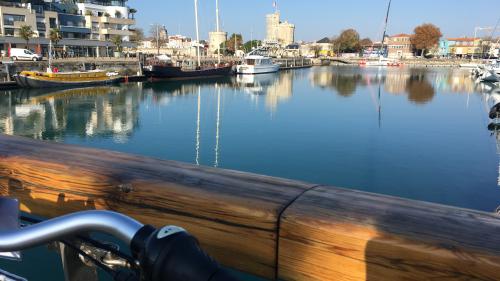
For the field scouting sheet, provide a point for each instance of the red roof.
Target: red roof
(401, 35)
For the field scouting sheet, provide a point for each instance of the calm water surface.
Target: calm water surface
(415, 133)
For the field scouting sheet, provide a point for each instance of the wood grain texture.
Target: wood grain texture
(233, 214)
(243, 220)
(336, 234)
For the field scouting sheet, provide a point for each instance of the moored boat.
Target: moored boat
(255, 64)
(169, 71)
(37, 79)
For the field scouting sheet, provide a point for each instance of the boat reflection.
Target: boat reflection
(114, 111)
(84, 112)
(276, 87)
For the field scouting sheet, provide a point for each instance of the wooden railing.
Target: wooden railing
(271, 227)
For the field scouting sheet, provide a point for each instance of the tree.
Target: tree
(138, 35)
(365, 43)
(248, 46)
(230, 44)
(117, 41)
(426, 36)
(55, 35)
(132, 11)
(26, 33)
(348, 41)
(316, 50)
(160, 36)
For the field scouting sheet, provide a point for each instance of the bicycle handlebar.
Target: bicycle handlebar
(169, 253)
(118, 225)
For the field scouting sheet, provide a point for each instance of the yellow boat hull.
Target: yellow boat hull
(34, 79)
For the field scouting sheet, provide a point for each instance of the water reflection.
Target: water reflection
(276, 87)
(419, 84)
(113, 111)
(92, 112)
(316, 125)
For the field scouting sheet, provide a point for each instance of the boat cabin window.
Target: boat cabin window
(250, 62)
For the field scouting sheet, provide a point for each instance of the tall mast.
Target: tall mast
(50, 56)
(197, 32)
(386, 21)
(218, 28)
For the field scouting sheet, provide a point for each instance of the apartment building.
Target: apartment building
(465, 47)
(399, 46)
(86, 26)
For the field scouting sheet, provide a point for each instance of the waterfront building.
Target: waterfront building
(465, 47)
(86, 26)
(399, 46)
(277, 31)
(323, 47)
(176, 45)
(444, 47)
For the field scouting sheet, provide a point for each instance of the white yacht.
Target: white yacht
(255, 64)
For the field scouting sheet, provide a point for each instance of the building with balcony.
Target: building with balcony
(87, 26)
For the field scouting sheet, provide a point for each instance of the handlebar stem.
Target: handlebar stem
(118, 225)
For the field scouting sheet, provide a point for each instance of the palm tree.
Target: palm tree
(132, 11)
(117, 41)
(55, 36)
(26, 33)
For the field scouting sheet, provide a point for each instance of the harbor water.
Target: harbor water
(418, 133)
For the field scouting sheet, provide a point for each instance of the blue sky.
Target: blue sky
(315, 19)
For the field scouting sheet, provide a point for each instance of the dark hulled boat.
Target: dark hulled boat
(165, 71)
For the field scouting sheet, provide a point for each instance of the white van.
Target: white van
(24, 54)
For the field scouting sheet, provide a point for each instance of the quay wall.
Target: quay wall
(271, 227)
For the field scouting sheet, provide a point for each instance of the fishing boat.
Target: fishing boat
(162, 70)
(166, 69)
(53, 78)
(37, 79)
(256, 64)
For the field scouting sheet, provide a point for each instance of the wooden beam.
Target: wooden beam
(258, 224)
(336, 234)
(234, 214)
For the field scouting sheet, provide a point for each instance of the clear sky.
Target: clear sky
(315, 19)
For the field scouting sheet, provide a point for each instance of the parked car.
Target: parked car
(24, 54)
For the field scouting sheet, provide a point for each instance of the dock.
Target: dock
(293, 63)
(270, 227)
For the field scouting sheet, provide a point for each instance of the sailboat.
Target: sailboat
(382, 61)
(167, 70)
(51, 78)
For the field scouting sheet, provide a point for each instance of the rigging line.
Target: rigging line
(198, 128)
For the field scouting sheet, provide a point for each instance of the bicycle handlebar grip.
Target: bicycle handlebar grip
(172, 254)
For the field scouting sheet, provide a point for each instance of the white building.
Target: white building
(107, 21)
